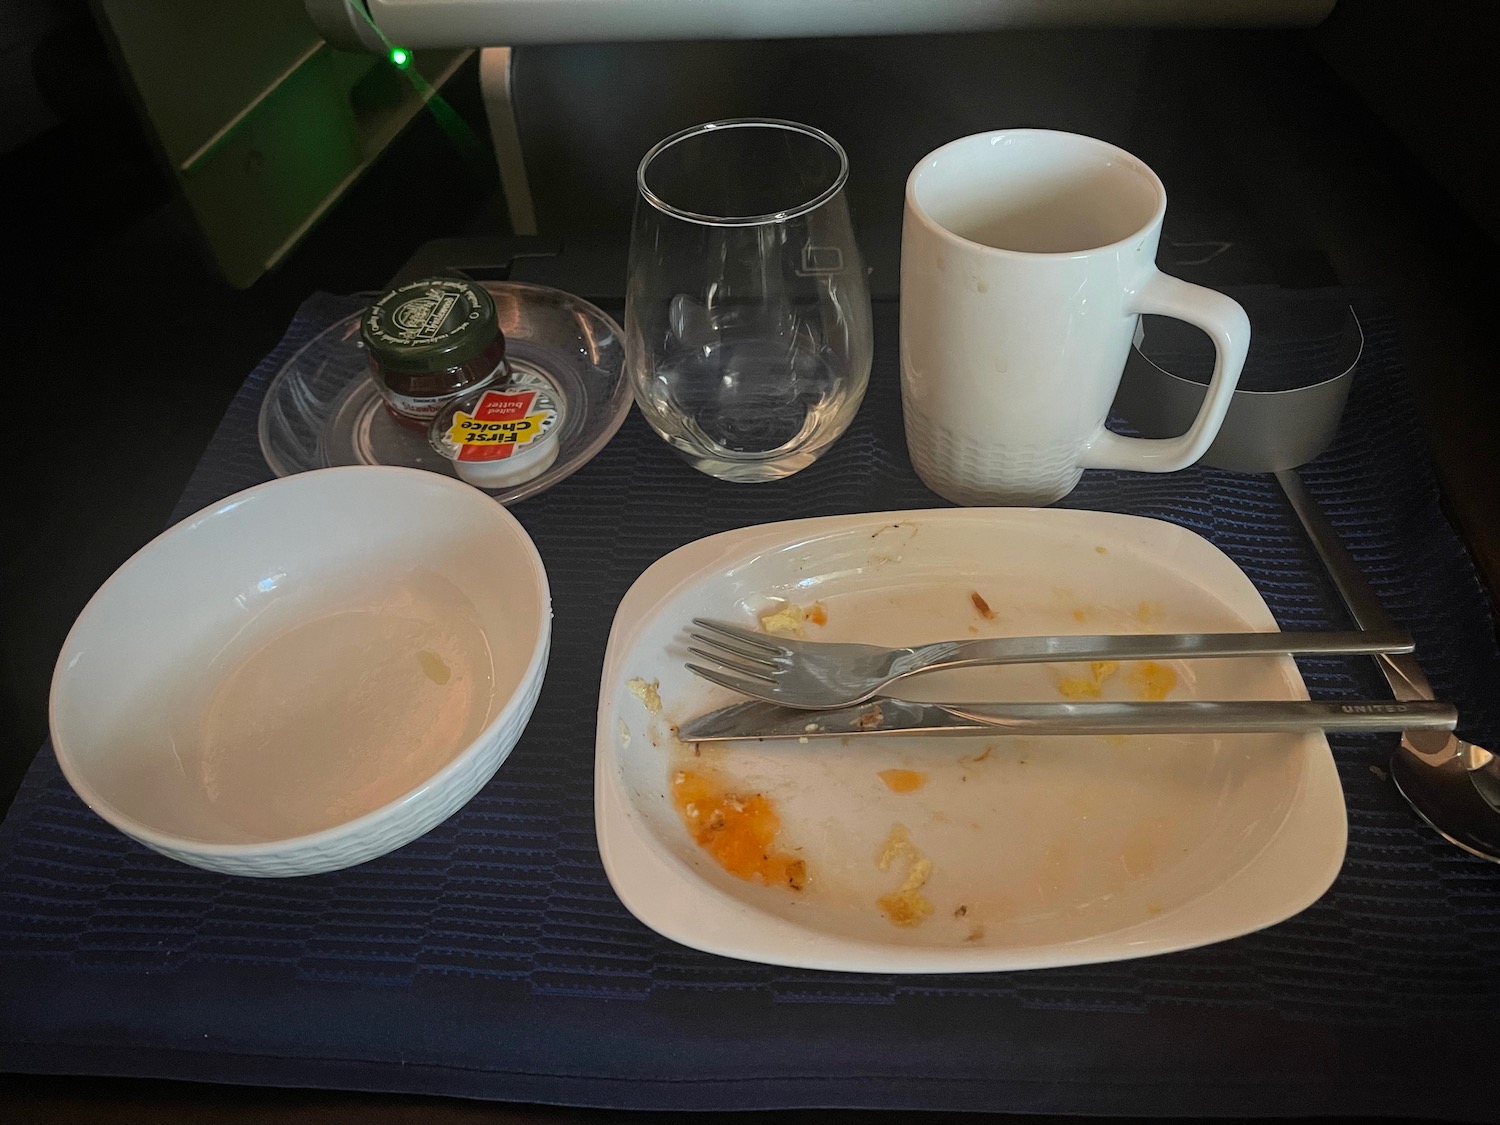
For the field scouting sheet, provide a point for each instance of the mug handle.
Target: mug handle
(1229, 328)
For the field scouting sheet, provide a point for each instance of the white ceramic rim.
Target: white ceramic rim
(915, 210)
(789, 213)
(535, 667)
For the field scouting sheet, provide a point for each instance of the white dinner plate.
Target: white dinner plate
(1009, 853)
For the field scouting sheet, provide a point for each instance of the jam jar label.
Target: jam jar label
(503, 424)
(420, 409)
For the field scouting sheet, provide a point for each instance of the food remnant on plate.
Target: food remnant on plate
(1088, 687)
(1151, 681)
(1147, 680)
(624, 736)
(982, 606)
(1153, 908)
(787, 620)
(905, 906)
(1380, 773)
(988, 750)
(738, 830)
(902, 781)
(870, 719)
(648, 692)
(434, 666)
(1147, 612)
(1102, 550)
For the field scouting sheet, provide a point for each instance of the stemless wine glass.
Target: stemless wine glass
(747, 315)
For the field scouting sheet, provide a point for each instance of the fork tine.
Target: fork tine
(746, 636)
(745, 687)
(734, 664)
(749, 652)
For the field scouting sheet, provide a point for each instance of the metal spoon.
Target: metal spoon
(1453, 785)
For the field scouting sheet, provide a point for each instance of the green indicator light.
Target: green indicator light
(400, 57)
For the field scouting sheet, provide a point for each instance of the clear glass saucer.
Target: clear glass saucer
(322, 409)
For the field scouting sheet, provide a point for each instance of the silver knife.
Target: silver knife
(756, 720)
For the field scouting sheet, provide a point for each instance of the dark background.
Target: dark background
(1360, 152)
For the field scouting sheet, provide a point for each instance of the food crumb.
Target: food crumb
(1380, 773)
(1088, 687)
(982, 606)
(435, 667)
(1102, 550)
(738, 830)
(648, 692)
(1152, 681)
(961, 911)
(905, 906)
(624, 736)
(786, 621)
(816, 614)
(869, 719)
(902, 781)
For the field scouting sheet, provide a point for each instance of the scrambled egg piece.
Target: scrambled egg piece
(902, 781)
(1088, 687)
(1146, 680)
(738, 830)
(787, 621)
(647, 691)
(1152, 681)
(905, 906)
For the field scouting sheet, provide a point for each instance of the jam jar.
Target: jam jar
(429, 341)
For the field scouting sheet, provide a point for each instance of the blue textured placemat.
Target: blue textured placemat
(491, 959)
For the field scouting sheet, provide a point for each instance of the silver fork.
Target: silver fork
(819, 674)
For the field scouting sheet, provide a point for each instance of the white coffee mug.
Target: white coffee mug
(1027, 257)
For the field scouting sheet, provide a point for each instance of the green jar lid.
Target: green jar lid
(430, 325)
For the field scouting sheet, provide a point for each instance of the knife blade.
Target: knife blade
(761, 721)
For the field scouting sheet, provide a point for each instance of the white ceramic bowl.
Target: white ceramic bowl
(307, 674)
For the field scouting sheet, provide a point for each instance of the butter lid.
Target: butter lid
(498, 436)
